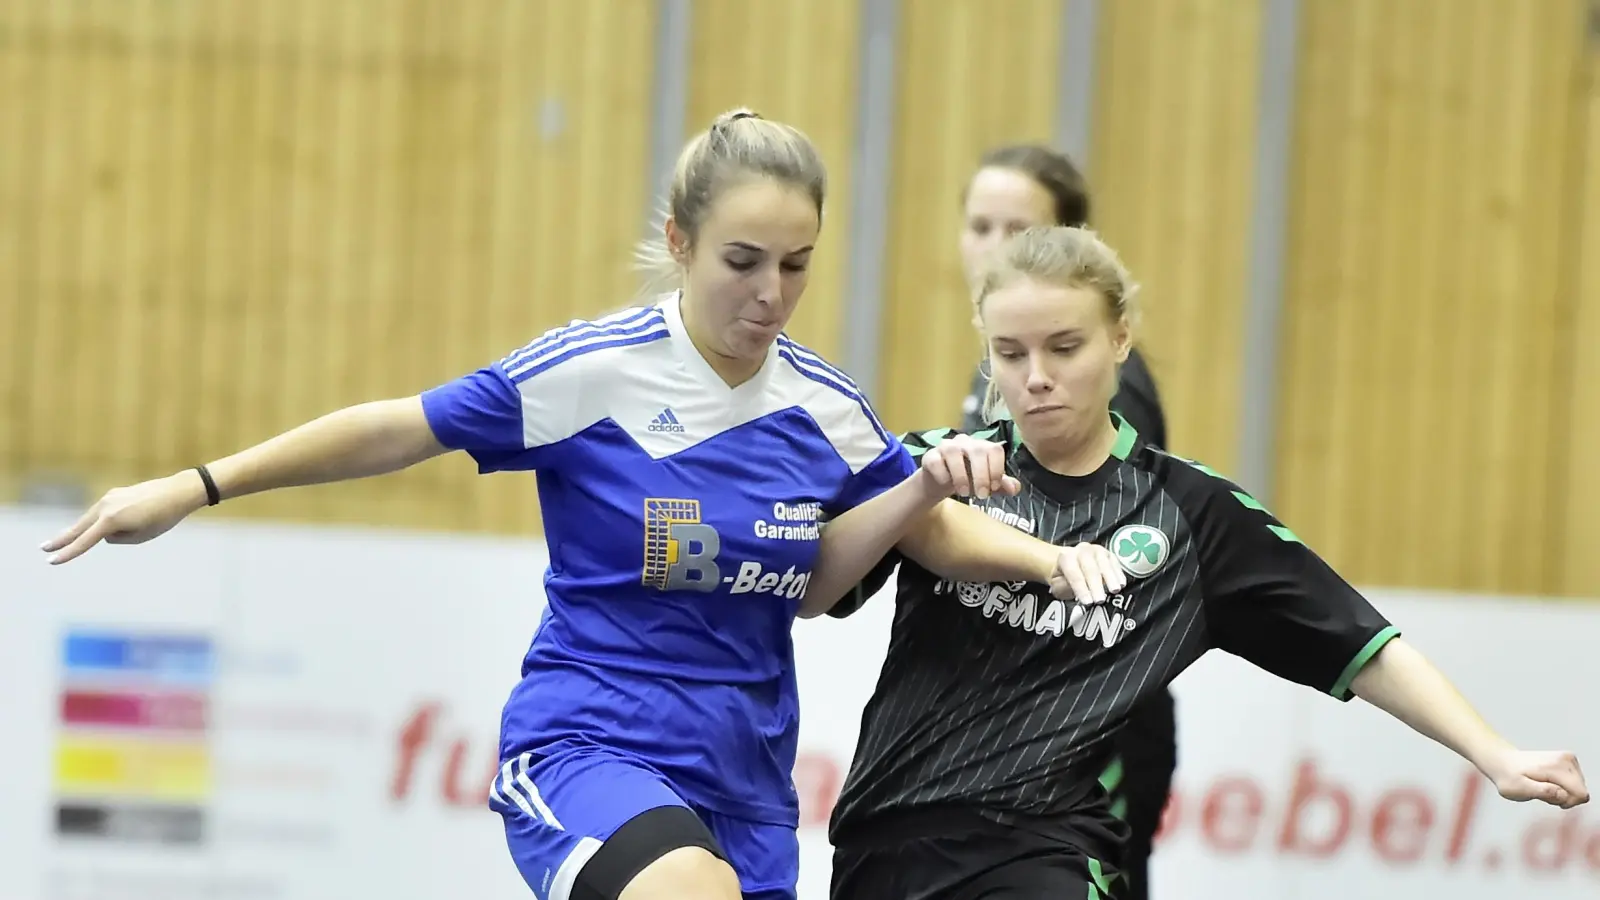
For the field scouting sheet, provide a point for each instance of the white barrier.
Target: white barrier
(350, 722)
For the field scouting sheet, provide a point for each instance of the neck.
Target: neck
(1079, 455)
(733, 370)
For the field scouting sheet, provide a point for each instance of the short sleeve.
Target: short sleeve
(505, 418)
(1274, 602)
(892, 466)
(914, 446)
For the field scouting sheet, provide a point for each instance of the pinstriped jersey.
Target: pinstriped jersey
(682, 517)
(1000, 699)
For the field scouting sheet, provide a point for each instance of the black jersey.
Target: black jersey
(999, 698)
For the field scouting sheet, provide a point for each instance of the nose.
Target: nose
(1038, 379)
(769, 286)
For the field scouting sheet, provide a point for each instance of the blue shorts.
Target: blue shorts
(558, 810)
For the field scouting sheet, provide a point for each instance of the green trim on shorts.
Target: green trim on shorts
(1099, 884)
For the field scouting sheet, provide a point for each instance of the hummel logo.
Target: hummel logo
(667, 422)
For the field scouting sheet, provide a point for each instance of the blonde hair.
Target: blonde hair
(740, 144)
(1064, 257)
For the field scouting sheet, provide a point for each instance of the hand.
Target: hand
(968, 467)
(1087, 573)
(1550, 776)
(130, 515)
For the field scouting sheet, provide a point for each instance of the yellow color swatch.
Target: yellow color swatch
(131, 768)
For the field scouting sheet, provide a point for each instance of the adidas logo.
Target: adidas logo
(666, 422)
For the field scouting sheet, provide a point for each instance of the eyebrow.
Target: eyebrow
(742, 245)
(1064, 333)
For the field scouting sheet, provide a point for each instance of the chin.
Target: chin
(747, 346)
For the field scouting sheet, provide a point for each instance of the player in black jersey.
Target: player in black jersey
(1022, 186)
(976, 774)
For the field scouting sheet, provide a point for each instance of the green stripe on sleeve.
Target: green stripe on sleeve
(1249, 501)
(1341, 688)
(1285, 534)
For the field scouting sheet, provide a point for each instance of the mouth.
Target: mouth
(1043, 409)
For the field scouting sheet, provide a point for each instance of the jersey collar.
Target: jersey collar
(1068, 488)
(696, 364)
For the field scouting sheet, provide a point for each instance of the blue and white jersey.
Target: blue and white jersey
(683, 519)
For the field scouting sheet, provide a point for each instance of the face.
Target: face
(1054, 352)
(1000, 203)
(747, 268)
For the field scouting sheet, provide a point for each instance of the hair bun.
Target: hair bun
(734, 115)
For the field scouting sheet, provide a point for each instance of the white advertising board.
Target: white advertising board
(328, 702)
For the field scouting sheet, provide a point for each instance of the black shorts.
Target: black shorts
(963, 857)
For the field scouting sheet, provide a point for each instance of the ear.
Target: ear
(1121, 340)
(677, 241)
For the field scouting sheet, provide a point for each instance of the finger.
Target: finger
(1116, 579)
(1572, 763)
(934, 464)
(82, 543)
(1073, 574)
(71, 534)
(960, 476)
(977, 471)
(1010, 486)
(1093, 578)
(1533, 788)
(1059, 587)
(1569, 779)
(995, 457)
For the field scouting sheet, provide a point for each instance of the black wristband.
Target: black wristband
(213, 496)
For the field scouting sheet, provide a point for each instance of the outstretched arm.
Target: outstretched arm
(1274, 602)
(1403, 683)
(502, 417)
(356, 442)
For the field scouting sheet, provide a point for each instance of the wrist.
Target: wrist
(1043, 562)
(192, 488)
(1494, 758)
(927, 489)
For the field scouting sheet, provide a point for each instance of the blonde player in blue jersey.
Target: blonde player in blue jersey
(688, 454)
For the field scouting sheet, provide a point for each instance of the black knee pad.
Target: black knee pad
(641, 841)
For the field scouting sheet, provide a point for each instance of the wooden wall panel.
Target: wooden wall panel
(1423, 326)
(796, 61)
(1172, 166)
(1578, 443)
(228, 218)
(970, 76)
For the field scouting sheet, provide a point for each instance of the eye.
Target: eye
(1066, 349)
(1011, 355)
(978, 227)
(741, 264)
(799, 266)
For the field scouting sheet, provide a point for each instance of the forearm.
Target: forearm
(961, 543)
(356, 442)
(1401, 682)
(855, 542)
